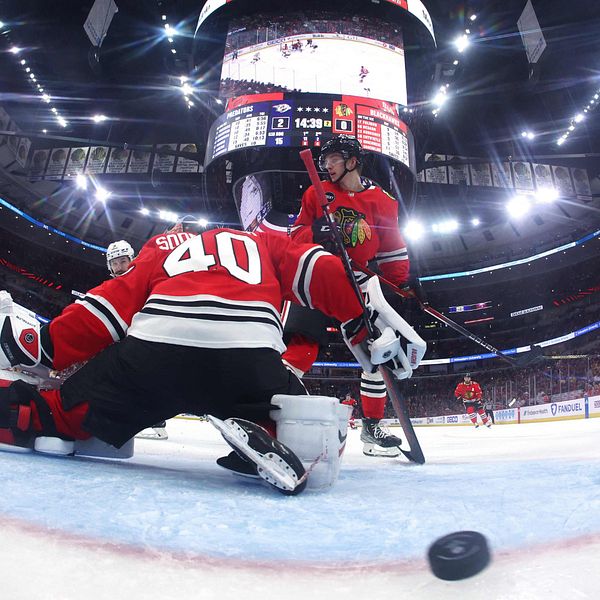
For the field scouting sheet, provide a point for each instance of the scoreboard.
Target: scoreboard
(300, 121)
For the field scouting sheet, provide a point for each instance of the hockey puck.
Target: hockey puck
(459, 555)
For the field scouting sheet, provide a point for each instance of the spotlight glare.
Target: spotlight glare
(81, 182)
(202, 222)
(102, 194)
(32, 75)
(461, 43)
(219, 101)
(54, 110)
(560, 141)
(62, 122)
(414, 230)
(99, 118)
(15, 50)
(439, 99)
(455, 63)
(473, 17)
(164, 17)
(144, 210)
(186, 88)
(183, 79)
(475, 222)
(166, 215)
(518, 206)
(23, 62)
(578, 118)
(27, 69)
(46, 98)
(546, 195)
(173, 51)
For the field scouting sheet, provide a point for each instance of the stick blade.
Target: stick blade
(527, 359)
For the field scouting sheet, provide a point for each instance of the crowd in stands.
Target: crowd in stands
(250, 31)
(42, 279)
(230, 88)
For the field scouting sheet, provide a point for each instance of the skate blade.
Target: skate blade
(269, 466)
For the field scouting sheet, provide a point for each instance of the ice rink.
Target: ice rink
(170, 523)
(330, 68)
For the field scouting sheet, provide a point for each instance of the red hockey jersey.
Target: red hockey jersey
(468, 393)
(220, 289)
(368, 223)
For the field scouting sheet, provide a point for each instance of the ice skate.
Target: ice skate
(377, 441)
(236, 464)
(275, 463)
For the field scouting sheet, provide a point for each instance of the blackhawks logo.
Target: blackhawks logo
(468, 395)
(353, 226)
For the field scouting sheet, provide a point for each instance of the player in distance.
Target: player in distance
(470, 393)
(368, 221)
(192, 327)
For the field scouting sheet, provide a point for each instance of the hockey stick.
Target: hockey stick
(415, 454)
(526, 360)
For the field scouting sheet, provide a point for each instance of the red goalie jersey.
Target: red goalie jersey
(468, 392)
(220, 289)
(368, 223)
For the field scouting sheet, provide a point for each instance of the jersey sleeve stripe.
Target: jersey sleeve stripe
(111, 310)
(398, 252)
(100, 312)
(306, 264)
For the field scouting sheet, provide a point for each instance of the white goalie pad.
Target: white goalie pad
(19, 334)
(315, 428)
(398, 342)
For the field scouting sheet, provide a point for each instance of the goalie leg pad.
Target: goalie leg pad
(315, 428)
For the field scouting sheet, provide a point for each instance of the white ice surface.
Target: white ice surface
(169, 523)
(330, 69)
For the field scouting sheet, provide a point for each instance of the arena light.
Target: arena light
(218, 101)
(144, 211)
(473, 17)
(461, 43)
(15, 50)
(448, 226)
(202, 222)
(560, 141)
(475, 222)
(528, 135)
(164, 17)
(23, 62)
(166, 215)
(578, 118)
(518, 206)
(46, 98)
(440, 98)
(414, 230)
(546, 195)
(173, 51)
(54, 110)
(32, 75)
(183, 79)
(99, 118)
(81, 182)
(186, 88)
(27, 69)
(455, 63)
(102, 194)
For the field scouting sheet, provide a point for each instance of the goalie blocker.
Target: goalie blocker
(398, 345)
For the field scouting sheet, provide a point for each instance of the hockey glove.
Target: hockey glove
(323, 235)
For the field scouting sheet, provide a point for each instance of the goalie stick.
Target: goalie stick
(415, 454)
(530, 357)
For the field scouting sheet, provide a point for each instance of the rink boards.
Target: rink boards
(580, 408)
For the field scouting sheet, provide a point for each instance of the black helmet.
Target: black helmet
(467, 375)
(346, 145)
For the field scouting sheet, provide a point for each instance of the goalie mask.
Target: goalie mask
(118, 250)
(398, 345)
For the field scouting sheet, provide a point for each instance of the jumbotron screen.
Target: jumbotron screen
(415, 7)
(285, 120)
(320, 52)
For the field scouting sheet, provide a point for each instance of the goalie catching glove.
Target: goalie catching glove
(397, 344)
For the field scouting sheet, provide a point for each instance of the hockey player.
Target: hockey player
(197, 323)
(368, 221)
(363, 73)
(470, 393)
(118, 259)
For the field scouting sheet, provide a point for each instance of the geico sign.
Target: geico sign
(452, 419)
